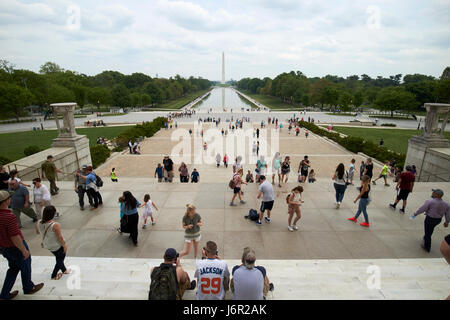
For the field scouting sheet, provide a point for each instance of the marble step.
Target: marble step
(116, 278)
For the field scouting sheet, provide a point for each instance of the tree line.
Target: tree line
(20, 88)
(407, 93)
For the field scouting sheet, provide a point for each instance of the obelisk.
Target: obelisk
(223, 67)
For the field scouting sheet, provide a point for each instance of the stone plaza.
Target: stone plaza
(327, 258)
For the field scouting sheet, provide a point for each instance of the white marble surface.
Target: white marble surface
(117, 278)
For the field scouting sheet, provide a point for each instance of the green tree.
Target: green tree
(13, 99)
(345, 99)
(358, 99)
(443, 91)
(80, 95)
(58, 93)
(50, 67)
(120, 96)
(135, 99)
(305, 100)
(446, 74)
(145, 99)
(99, 95)
(395, 98)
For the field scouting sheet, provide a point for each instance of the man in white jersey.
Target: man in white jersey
(213, 276)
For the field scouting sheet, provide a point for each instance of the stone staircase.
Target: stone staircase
(117, 278)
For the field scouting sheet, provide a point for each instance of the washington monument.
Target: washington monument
(223, 67)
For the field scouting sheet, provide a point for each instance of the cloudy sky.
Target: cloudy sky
(260, 37)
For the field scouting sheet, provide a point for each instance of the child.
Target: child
(159, 172)
(113, 175)
(148, 212)
(195, 176)
(351, 171)
(249, 177)
(312, 176)
(383, 174)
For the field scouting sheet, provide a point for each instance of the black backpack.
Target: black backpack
(98, 181)
(252, 215)
(164, 285)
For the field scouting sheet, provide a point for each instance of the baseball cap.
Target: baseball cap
(4, 195)
(439, 192)
(170, 254)
(249, 258)
(84, 166)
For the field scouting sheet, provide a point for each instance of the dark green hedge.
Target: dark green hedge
(4, 160)
(147, 129)
(28, 151)
(99, 154)
(357, 144)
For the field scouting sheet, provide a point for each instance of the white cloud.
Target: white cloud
(260, 37)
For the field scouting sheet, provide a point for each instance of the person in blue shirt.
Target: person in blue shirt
(129, 216)
(195, 176)
(160, 172)
(92, 188)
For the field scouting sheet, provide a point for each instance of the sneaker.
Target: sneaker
(338, 205)
(82, 208)
(387, 185)
(267, 219)
(391, 206)
(144, 226)
(119, 231)
(294, 227)
(364, 224)
(290, 228)
(258, 222)
(242, 202)
(232, 204)
(402, 211)
(353, 219)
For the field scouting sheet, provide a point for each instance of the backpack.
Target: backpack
(287, 198)
(164, 285)
(232, 184)
(252, 215)
(98, 181)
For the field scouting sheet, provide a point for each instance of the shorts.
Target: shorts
(160, 179)
(402, 194)
(285, 171)
(304, 173)
(383, 176)
(168, 174)
(276, 171)
(266, 205)
(237, 190)
(189, 240)
(293, 208)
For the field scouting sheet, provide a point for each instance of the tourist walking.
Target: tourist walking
(364, 200)
(351, 171)
(435, 209)
(168, 169)
(15, 250)
(276, 168)
(53, 240)
(81, 188)
(41, 197)
(113, 175)
(218, 159)
(404, 187)
(195, 176)
(362, 168)
(191, 224)
(294, 201)
(92, 188)
(285, 169)
(303, 168)
(213, 276)
(20, 202)
(339, 184)
(225, 161)
(148, 210)
(49, 170)
(383, 174)
(184, 173)
(368, 168)
(266, 191)
(130, 217)
(262, 165)
(4, 177)
(237, 164)
(237, 191)
(160, 172)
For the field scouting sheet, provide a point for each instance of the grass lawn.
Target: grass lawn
(273, 103)
(394, 139)
(12, 144)
(181, 102)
